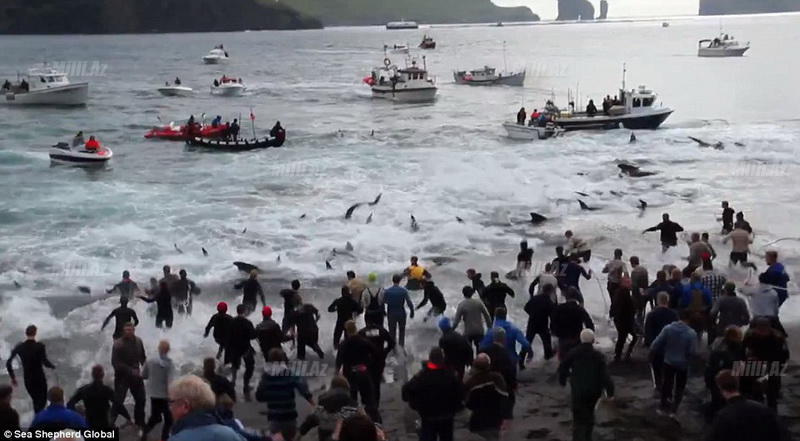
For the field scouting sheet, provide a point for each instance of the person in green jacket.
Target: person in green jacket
(586, 369)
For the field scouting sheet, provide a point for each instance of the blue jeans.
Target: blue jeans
(395, 322)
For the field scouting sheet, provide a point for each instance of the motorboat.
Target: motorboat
(63, 153)
(396, 48)
(402, 24)
(218, 55)
(238, 145)
(173, 132)
(175, 90)
(410, 84)
(488, 76)
(664, 24)
(228, 87)
(427, 42)
(634, 109)
(46, 86)
(722, 46)
(532, 132)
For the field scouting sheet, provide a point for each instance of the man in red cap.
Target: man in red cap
(221, 322)
(269, 333)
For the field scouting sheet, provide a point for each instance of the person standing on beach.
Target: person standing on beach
(726, 218)
(127, 288)
(640, 280)
(356, 359)
(486, 395)
(729, 310)
(474, 314)
(654, 323)
(9, 417)
(239, 348)
(34, 360)
(513, 336)
(502, 364)
(291, 300)
(346, 309)
(766, 347)
(98, 399)
(437, 395)
(127, 358)
(624, 315)
(677, 343)
(159, 373)
(740, 247)
(615, 269)
(743, 419)
(163, 301)
(457, 349)
(586, 369)
(219, 384)
(192, 405)
(251, 291)
(572, 275)
(477, 284)
(669, 232)
(540, 309)
(568, 320)
(383, 343)
(775, 275)
(122, 315)
(221, 323)
(396, 299)
(495, 294)
(305, 320)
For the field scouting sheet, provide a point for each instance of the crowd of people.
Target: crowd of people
(473, 367)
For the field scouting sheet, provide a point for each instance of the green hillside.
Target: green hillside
(722, 7)
(378, 12)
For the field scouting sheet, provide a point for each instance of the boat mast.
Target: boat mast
(624, 71)
(505, 65)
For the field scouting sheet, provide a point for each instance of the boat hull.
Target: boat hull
(643, 121)
(176, 91)
(234, 146)
(227, 91)
(69, 156)
(715, 53)
(405, 95)
(76, 94)
(515, 80)
(214, 60)
(530, 133)
(180, 134)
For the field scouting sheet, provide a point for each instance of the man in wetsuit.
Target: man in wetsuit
(170, 278)
(291, 300)
(396, 299)
(524, 258)
(669, 232)
(242, 331)
(477, 284)
(305, 320)
(269, 333)
(251, 290)
(127, 288)
(383, 343)
(434, 294)
(495, 293)
(163, 300)
(98, 399)
(34, 358)
(346, 309)
(221, 323)
(122, 315)
(127, 357)
(182, 292)
(727, 218)
(741, 223)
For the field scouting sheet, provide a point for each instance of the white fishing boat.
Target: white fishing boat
(396, 48)
(410, 84)
(218, 55)
(45, 86)
(63, 153)
(723, 45)
(175, 89)
(488, 76)
(228, 87)
(532, 133)
(402, 24)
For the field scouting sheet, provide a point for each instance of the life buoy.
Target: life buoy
(387, 62)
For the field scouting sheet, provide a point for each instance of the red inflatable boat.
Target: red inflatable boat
(181, 133)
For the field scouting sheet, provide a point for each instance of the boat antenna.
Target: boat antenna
(424, 63)
(505, 65)
(624, 71)
(253, 123)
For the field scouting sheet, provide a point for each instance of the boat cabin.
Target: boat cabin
(637, 100)
(392, 74)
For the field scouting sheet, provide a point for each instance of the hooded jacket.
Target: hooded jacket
(435, 393)
(677, 342)
(513, 336)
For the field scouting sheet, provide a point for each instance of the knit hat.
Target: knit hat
(222, 307)
(444, 324)
(372, 277)
(587, 336)
(266, 311)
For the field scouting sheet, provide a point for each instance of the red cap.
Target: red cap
(222, 307)
(266, 311)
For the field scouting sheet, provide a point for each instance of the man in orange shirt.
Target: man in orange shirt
(92, 144)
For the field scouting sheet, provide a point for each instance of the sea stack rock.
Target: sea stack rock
(575, 10)
(603, 10)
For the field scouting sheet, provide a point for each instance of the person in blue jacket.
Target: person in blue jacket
(396, 299)
(513, 336)
(775, 275)
(677, 344)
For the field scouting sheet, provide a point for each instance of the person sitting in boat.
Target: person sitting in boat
(591, 109)
(233, 130)
(191, 120)
(24, 85)
(7, 85)
(216, 121)
(616, 101)
(278, 132)
(534, 117)
(216, 83)
(240, 81)
(521, 115)
(224, 79)
(92, 145)
(78, 141)
(606, 104)
(177, 81)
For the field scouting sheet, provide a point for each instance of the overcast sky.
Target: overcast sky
(547, 9)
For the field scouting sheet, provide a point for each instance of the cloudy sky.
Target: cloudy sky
(547, 9)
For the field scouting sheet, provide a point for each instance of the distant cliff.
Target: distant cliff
(603, 10)
(141, 16)
(575, 9)
(723, 7)
(378, 12)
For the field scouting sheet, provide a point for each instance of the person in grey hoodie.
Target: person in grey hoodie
(159, 373)
(474, 314)
(678, 343)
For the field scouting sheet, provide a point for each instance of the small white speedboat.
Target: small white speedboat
(228, 88)
(218, 55)
(175, 90)
(396, 48)
(722, 46)
(63, 153)
(531, 133)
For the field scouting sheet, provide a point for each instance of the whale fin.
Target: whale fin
(205, 253)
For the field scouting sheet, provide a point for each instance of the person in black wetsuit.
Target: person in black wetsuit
(122, 315)
(239, 348)
(559, 265)
(221, 323)
(127, 288)
(495, 294)
(345, 308)
(669, 232)
(163, 301)
(305, 320)
(434, 294)
(127, 358)
(591, 109)
(383, 343)
(727, 217)
(269, 333)
(477, 284)
(291, 300)
(182, 292)
(572, 274)
(278, 132)
(356, 359)
(234, 130)
(98, 399)
(9, 418)
(741, 223)
(219, 384)
(34, 359)
(251, 291)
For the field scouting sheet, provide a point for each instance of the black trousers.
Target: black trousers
(311, 343)
(547, 341)
(338, 330)
(582, 423)
(37, 388)
(162, 319)
(674, 383)
(475, 340)
(622, 336)
(657, 368)
(436, 430)
(376, 372)
(124, 383)
(249, 366)
(159, 411)
(361, 384)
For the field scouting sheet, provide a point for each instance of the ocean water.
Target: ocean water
(64, 227)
